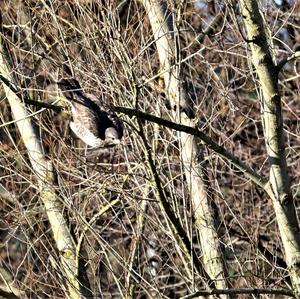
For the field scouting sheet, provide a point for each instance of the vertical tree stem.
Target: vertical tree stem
(279, 181)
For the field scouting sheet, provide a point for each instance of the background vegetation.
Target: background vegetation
(115, 203)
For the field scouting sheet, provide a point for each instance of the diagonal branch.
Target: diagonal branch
(209, 142)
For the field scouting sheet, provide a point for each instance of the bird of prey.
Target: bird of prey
(93, 121)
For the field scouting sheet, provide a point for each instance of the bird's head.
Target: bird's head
(112, 136)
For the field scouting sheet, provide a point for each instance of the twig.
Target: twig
(281, 63)
(210, 143)
(17, 90)
(210, 29)
(252, 291)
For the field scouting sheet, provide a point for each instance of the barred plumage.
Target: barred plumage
(95, 123)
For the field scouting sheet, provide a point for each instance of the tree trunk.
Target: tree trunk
(42, 168)
(279, 181)
(192, 161)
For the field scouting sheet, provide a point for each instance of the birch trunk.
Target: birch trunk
(279, 181)
(42, 168)
(194, 169)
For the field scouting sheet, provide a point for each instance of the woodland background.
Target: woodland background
(118, 204)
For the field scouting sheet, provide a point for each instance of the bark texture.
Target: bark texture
(191, 151)
(279, 181)
(43, 171)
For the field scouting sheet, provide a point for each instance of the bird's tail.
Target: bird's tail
(67, 85)
(72, 90)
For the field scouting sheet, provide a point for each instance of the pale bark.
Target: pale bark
(279, 181)
(194, 170)
(43, 171)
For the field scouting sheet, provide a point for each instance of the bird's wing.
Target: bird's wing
(107, 116)
(84, 111)
(89, 111)
(87, 117)
(85, 135)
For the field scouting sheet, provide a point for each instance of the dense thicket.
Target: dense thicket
(129, 249)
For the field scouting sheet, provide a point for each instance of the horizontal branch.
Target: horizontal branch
(17, 91)
(250, 173)
(209, 142)
(252, 291)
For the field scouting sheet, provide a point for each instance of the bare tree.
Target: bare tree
(192, 153)
(205, 132)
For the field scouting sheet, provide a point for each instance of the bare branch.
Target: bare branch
(250, 291)
(284, 61)
(221, 151)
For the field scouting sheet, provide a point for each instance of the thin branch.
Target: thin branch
(24, 97)
(87, 225)
(210, 143)
(281, 63)
(179, 230)
(252, 291)
(210, 29)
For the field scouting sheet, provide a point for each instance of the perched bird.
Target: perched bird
(93, 121)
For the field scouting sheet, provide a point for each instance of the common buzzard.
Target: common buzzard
(95, 123)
